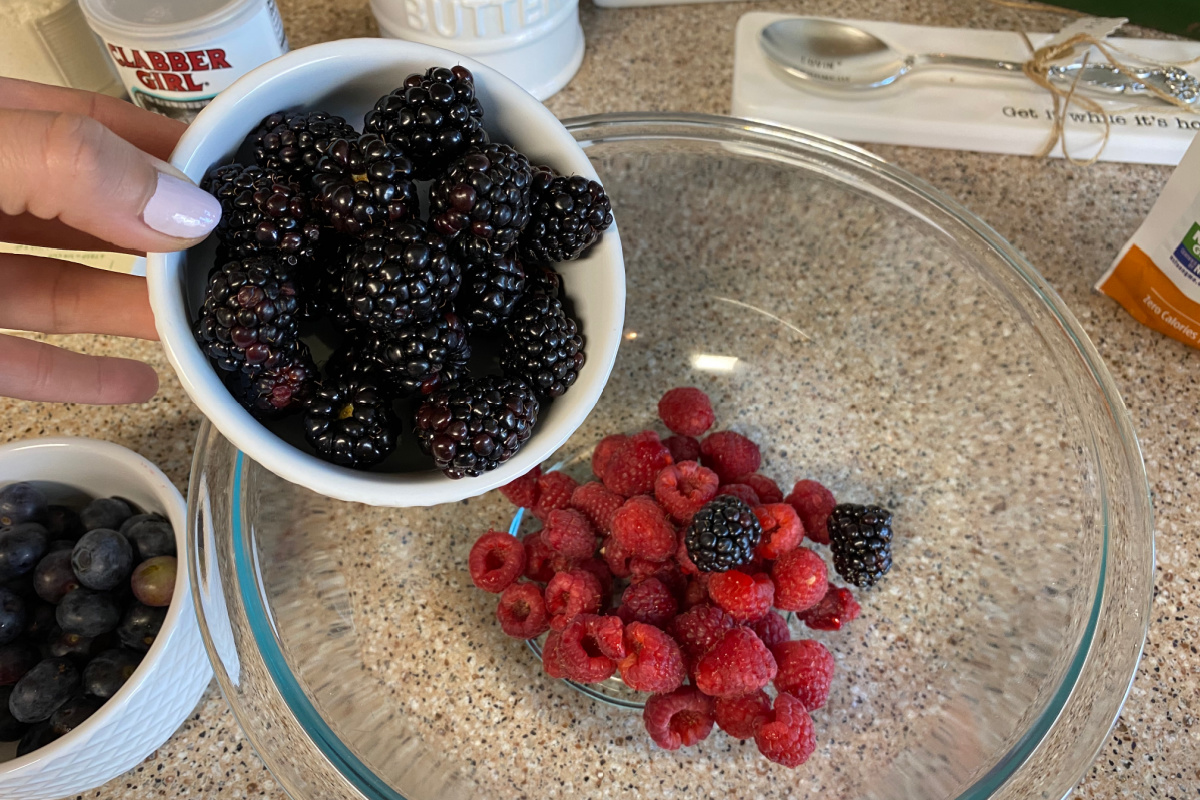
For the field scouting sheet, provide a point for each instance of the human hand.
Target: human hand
(82, 171)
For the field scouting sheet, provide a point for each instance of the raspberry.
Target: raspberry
(730, 455)
(597, 504)
(496, 560)
(666, 572)
(781, 528)
(641, 528)
(616, 557)
(523, 491)
(568, 532)
(683, 448)
(767, 490)
(608, 632)
(772, 629)
(678, 719)
(554, 491)
(700, 628)
(652, 661)
(686, 565)
(741, 491)
(650, 602)
(741, 716)
(632, 468)
(739, 664)
(743, 597)
(686, 411)
(580, 649)
(569, 594)
(552, 663)
(788, 737)
(695, 593)
(836, 609)
(805, 671)
(813, 502)
(605, 450)
(522, 611)
(597, 567)
(684, 488)
(539, 558)
(800, 579)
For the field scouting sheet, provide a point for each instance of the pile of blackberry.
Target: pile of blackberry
(450, 320)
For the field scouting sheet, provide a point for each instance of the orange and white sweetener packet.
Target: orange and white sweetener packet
(1157, 275)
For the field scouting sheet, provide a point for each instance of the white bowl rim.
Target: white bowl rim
(177, 513)
(425, 488)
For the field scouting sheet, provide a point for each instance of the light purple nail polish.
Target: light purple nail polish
(181, 209)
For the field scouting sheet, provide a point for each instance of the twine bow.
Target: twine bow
(1042, 61)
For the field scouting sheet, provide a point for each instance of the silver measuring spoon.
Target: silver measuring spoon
(835, 55)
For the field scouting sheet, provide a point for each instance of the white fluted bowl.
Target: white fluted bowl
(160, 695)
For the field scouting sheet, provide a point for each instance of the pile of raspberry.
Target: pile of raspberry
(609, 577)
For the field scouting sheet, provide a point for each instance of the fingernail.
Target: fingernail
(181, 209)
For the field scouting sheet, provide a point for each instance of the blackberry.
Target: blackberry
(477, 425)
(277, 390)
(319, 282)
(860, 538)
(542, 346)
(542, 279)
(292, 142)
(418, 358)
(398, 275)
(248, 320)
(351, 424)
(433, 117)
(482, 202)
(261, 212)
(566, 216)
(363, 182)
(722, 535)
(490, 292)
(355, 360)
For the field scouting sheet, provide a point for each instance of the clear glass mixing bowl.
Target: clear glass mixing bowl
(870, 333)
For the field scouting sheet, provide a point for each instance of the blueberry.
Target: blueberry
(64, 523)
(42, 624)
(13, 616)
(11, 728)
(21, 502)
(54, 579)
(21, 586)
(140, 625)
(106, 673)
(73, 712)
(151, 538)
(43, 689)
(15, 660)
(102, 559)
(107, 512)
(38, 736)
(21, 547)
(75, 647)
(137, 519)
(88, 613)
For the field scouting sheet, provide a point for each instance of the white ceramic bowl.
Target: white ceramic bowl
(346, 77)
(175, 672)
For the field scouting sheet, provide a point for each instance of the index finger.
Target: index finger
(153, 133)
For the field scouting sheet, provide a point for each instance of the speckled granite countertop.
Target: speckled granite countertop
(1069, 221)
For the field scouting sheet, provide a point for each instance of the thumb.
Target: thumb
(71, 168)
